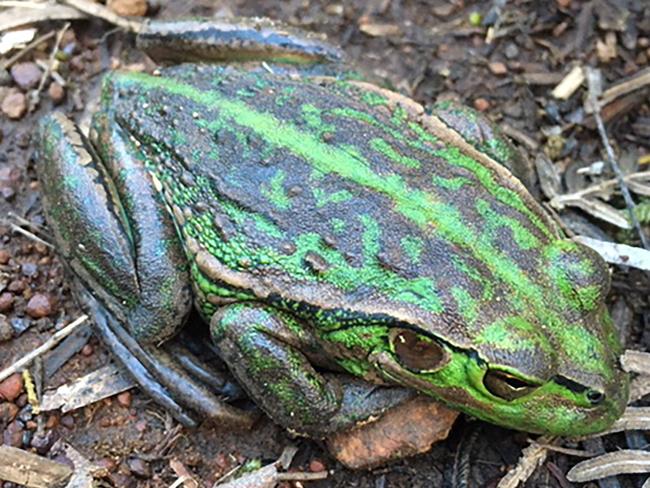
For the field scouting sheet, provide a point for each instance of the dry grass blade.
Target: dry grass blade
(634, 418)
(18, 17)
(620, 254)
(531, 458)
(611, 464)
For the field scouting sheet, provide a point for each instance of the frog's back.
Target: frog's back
(328, 198)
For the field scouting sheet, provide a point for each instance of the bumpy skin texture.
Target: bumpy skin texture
(331, 207)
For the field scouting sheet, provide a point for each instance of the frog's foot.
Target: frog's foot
(263, 349)
(169, 382)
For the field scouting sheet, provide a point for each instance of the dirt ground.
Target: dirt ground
(429, 50)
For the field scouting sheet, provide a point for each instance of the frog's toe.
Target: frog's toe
(162, 377)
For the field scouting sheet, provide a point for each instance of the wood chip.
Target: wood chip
(569, 84)
(611, 464)
(102, 383)
(13, 39)
(31, 470)
(379, 30)
(620, 254)
(18, 17)
(634, 418)
(636, 362)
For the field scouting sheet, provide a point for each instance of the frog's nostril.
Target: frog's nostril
(595, 397)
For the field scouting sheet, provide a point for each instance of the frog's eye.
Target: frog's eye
(506, 386)
(416, 352)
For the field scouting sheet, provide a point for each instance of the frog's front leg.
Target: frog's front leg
(269, 353)
(130, 273)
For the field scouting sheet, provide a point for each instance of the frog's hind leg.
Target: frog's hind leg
(270, 354)
(114, 235)
(234, 40)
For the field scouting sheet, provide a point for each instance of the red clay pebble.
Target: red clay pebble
(6, 301)
(26, 75)
(481, 104)
(498, 68)
(87, 350)
(56, 92)
(14, 104)
(124, 399)
(128, 8)
(39, 306)
(16, 286)
(107, 463)
(8, 412)
(4, 256)
(317, 466)
(12, 387)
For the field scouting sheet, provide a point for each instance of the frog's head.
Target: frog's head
(554, 370)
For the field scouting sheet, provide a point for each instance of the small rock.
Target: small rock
(128, 8)
(40, 305)
(20, 324)
(563, 4)
(4, 256)
(26, 75)
(9, 181)
(444, 10)
(87, 350)
(12, 387)
(43, 442)
(481, 104)
(6, 330)
(138, 467)
(317, 466)
(141, 425)
(13, 434)
(17, 286)
(498, 68)
(511, 51)
(56, 92)
(29, 269)
(14, 104)
(6, 302)
(124, 399)
(67, 421)
(5, 77)
(8, 412)
(123, 480)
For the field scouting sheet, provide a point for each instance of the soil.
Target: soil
(429, 50)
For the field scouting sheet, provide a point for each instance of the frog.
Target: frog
(348, 247)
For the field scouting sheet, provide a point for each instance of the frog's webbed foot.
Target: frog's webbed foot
(264, 350)
(129, 269)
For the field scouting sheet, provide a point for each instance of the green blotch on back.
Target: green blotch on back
(523, 237)
(454, 184)
(387, 150)
(466, 303)
(275, 191)
(323, 198)
(413, 247)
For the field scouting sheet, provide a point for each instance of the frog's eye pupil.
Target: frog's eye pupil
(507, 386)
(417, 353)
(595, 397)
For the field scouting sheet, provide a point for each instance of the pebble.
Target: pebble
(17, 286)
(40, 305)
(43, 442)
(12, 387)
(511, 51)
(481, 104)
(9, 181)
(138, 467)
(6, 301)
(20, 324)
(8, 412)
(87, 350)
(6, 330)
(124, 399)
(56, 92)
(13, 434)
(29, 269)
(128, 8)
(27, 75)
(497, 68)
(67, 421)
(4, 256)
(317, 466)
(14, 104)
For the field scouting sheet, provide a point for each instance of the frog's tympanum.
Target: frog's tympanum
(346, 246)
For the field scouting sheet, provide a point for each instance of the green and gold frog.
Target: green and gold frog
(347, 247)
